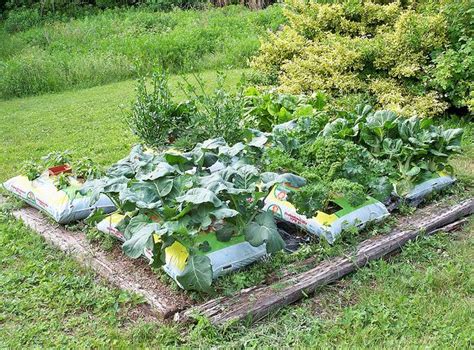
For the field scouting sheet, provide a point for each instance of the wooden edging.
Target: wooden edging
(131, 275)
(257, 302)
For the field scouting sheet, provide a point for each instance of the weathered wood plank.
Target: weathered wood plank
(255, 303)
(131, 275)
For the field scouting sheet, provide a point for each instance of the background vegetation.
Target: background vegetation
(107, 47)
(412, 57)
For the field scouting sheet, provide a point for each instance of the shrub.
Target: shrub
(22, 19)
(407, 57)
(453, 75)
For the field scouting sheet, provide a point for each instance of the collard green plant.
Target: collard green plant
(174, 196)
(414, 148)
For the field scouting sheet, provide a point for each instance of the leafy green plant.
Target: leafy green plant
(159, 121)
(34, 168)
(215, 114)
(334, 168)
(82, 169)
(175, 196)
(415, 148)
(31, 169)
(86, 168)
(155, 117)
(265, 110)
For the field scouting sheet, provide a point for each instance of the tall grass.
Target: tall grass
(109, 46)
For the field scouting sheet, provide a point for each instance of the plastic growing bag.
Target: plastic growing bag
(423, 189)
(327, 225)
(224, 256)
(64, 206)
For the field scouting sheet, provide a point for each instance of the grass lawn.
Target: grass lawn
(89, 122)
(420, 298)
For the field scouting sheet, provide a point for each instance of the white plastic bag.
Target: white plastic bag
(64, 206)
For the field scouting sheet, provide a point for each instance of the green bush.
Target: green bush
(105, 47)
(155, 117)
(22, 19)
(406, 57)
(159, 121)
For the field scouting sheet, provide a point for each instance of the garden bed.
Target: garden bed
(251, 303)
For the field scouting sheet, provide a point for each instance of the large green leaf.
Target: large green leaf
(264, 230)
(223, 213)
(214, 183)
(452, 137)
(339, 128)
(142, 239)
(183, 161)
(269, 179)
(380, 122)
(105, 185)
(136, 223)
(231, 151)
(201, 216)
(161, 169)
(121, 168)
(200, 195)
(145, 194)
(197, 275)
(213, 144)
(246, 177)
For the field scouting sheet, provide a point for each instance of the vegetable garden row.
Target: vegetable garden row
(206, 210)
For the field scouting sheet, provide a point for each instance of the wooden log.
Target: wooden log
(131, 275)
(255, 303)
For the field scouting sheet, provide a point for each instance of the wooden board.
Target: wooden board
(255, 303)
(131, 275)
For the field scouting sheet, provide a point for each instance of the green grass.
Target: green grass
(89, 122)
(420, 298)
(105, 47)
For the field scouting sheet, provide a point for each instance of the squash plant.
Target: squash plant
(174, 196)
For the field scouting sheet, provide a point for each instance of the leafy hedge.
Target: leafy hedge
(410, 59)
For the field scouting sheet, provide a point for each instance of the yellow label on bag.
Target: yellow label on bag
(325, 219)
(115, 219)
(177, 256)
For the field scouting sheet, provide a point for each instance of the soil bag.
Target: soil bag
(418, 193)
(225, 257)
(63, 205)
(324, 224)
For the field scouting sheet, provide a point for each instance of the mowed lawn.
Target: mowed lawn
(89, 122)
(420, 298)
